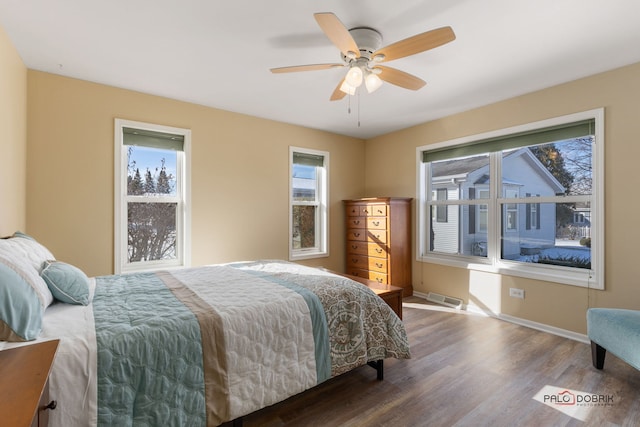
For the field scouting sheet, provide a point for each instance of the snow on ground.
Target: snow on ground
(564, 249)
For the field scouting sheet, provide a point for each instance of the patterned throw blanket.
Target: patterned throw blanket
(206, 345)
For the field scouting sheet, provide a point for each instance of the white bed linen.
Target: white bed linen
(75, 363)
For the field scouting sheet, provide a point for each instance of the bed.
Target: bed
(207, 345)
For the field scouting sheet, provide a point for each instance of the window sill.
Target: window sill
(307, 255)
(555, 274)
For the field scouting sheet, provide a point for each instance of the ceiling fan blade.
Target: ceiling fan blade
(400, 78)
(337, 33)
(310, 67)
(416, 44)
(337, 93)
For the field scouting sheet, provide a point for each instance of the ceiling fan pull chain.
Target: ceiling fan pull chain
(358, 108)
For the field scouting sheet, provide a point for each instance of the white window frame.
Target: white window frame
(591, 278)
(483, 211)
(182, 198)
(321, 248)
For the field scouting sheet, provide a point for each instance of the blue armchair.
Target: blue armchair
(615, 330)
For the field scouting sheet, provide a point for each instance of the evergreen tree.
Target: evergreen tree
(164, 185)
(136, 187)
(149, 185)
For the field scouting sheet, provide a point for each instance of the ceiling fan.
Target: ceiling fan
(361, 53)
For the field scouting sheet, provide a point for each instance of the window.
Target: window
(151, 196)
(514, 201)
(308, 220)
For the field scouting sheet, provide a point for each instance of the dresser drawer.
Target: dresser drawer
(367, 248)
(367, 263)
(368, 274)
(379, 277)
(358, 234)
(358, 248)
(377, 236)
(356, 222)
(354, 210)
(376, 223)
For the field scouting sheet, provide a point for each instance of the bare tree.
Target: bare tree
(579, 163)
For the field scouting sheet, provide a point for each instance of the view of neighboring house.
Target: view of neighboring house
(581, 224)
(462, 228)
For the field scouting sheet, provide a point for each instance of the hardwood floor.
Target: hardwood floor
(470, 370)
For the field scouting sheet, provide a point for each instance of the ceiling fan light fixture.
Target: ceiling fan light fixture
(372, 82)
(354, 76)
(361, 52)
(347, 88)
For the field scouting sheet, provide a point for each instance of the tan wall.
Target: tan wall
(239, 174)
(557, 305)
(13, 138)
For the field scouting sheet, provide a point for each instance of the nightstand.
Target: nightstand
(24, 384)
(392, 295)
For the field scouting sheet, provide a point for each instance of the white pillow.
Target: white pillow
(26, 247)
(26, 256)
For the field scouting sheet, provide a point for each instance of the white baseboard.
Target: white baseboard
(565, 333)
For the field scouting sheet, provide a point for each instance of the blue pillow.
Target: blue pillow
(20, 307)
(67, 283)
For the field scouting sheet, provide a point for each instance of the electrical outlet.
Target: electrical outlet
(516, 293)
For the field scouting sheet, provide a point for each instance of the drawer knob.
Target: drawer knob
(356, 234)
(376, 223)
(354, 260)
(354, 246)
(52, 405)
(378, 250)
(379, 264)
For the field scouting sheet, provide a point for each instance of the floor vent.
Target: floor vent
(444, 300)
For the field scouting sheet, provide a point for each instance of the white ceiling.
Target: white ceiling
(218, 53)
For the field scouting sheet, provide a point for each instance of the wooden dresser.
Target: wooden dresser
(379, 240)
(24, 384)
